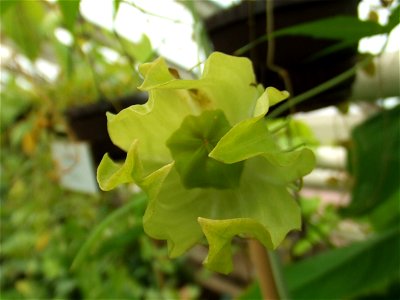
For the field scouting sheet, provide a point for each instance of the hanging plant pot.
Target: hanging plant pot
(238, 26)
(89, 123)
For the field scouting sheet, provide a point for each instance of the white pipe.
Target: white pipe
(382, 80)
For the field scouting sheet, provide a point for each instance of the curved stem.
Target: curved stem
(282, 72)
(265, 271)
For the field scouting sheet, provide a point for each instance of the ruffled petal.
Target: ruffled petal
(226, 80)
(111, 174)
(263, 205)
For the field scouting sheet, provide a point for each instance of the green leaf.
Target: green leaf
(387, 214)
(64, 57)
(14, 103)
(301, 133)
(96, 232)
(22, 23)
(347, 30)
(116, 4)
(332, 49)
(393, 19)
(141, 50)
(346, 272)
(337, 28)
(292, 133)
(374, 163)
(6, 4)
(252, 292)
(70, 12)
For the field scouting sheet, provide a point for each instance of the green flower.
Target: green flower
(202, 151)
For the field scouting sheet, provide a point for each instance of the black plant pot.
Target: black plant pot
(236, 27)
(89, 123)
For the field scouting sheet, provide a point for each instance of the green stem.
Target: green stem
(277, 270)
(295, 147)
(251, 45)
(95, 234)
(320, 88)
(279, 127)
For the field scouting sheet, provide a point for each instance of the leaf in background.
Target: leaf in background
(393, 19)
(110, 219)
(374, 162)
(387, 215)
(141, 50)
(346, 272)
(331, 49)
(70, 12)
(344, 28)
(116, 4)
(6, 4)
(252, 292)
(64, 57)
(14, 104)
(22, 24)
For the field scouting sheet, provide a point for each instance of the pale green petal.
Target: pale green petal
(270, 97)
(219, 234)
(250, 137)
(170, 216)
(190, 146)
(247, 139)
(111, 174)
(151, 124)
(152, 184)
(232, 85)
(174, 212)
(258, 205)
(289, 166)
(275, 96)
(228, 83)
(155, 74)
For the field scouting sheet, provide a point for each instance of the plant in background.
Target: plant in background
(42, 232)
(90, 63)
(203, 152)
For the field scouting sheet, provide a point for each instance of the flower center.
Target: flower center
(190, 145)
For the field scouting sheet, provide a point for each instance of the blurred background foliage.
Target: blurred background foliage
(45, 227)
